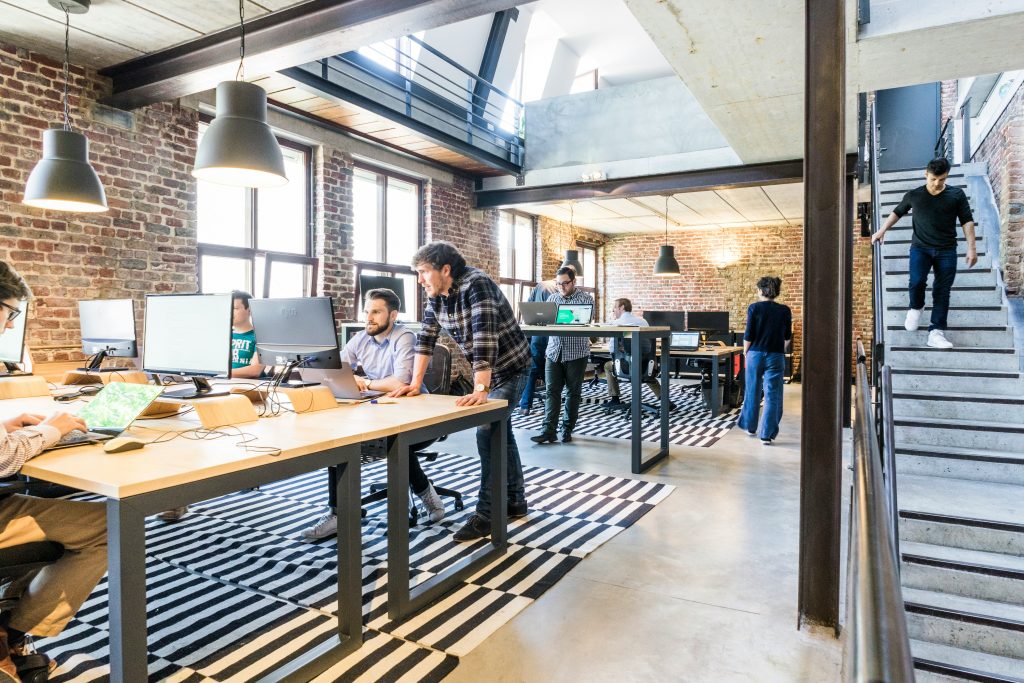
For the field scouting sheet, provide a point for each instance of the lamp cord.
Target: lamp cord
(240, 74)
(666, 219)
(67, 66)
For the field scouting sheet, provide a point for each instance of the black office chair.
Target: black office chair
(437, 380)
(649, 370)
(21, 562)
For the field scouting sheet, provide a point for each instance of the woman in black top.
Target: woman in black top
(769, 325)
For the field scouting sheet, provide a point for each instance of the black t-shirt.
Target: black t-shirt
(769, 325)
(935, 216)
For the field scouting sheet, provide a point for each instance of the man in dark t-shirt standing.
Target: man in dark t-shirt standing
(935, 209)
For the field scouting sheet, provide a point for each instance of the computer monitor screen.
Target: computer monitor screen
(108, 325)
(673, 319)
(708, 321)
(296, 330)
(12, 341)
(395, 284)
(187, 334)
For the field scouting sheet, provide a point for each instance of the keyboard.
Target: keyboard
(77, 437)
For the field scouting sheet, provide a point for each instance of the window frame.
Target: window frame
(518, 284)
(592, 286)
(382, 238)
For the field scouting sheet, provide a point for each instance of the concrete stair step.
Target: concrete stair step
(974, 515)
(899, 243)
(956, 172)
(996, 436)
(962, 405)
(965, 277)
(987, 626)
(961, 358)
(968, 573)
(995, 383)
(903, 185)
(962, 295)
(961, 532)
(902, 263)
(938, 663)
(958, 316)
(975, 464)
(967, 336)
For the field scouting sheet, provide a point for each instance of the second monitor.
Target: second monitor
(708, 321)
(300, 331)
(108, 329)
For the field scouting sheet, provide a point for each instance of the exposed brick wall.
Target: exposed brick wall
(333, 228)
(1003, 150)
(145, 243)
(449, 215)
(748, 253)
(948, 93)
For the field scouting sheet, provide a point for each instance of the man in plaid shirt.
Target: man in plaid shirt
(567, 362)
(472, 309)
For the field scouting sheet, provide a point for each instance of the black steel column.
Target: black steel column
(848, 305)
(824, 252)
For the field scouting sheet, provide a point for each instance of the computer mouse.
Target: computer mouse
(120, 444)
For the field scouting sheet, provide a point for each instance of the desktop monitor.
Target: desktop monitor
(299, 331)
(708, 321)
(12, 342)
(673, 319)
(395, 284)
(188, 334)
(108, 329)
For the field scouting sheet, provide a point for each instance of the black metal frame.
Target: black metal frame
(532, 282)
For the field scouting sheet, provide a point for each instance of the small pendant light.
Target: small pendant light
(239, 148)
(63, 180)
(666, 265)
(572, 256)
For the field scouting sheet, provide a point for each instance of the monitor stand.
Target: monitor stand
(284, 377)
(97, 361)
(201, 389)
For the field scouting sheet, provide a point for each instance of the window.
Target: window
(387, 230)
(588, 257)
(258, 240)
(517, 242)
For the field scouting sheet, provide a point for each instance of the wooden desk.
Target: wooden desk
(166, 475)
(638, 464)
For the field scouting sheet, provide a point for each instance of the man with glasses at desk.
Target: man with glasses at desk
(566, 364)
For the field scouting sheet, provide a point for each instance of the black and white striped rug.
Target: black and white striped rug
(690, 424)
(233, 591)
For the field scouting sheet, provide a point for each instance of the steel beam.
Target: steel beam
(492, 53)
(824, 255)
(295, 35)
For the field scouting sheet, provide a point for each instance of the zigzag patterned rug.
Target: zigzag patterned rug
(690, 424)
(232, 591)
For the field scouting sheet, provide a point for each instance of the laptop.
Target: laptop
(685, 341)
(574, 314)
(538, 312)
(111, 412)
(341, 382)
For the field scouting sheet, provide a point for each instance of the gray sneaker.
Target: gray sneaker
(174, 514)
(433, 503)
(326, 526)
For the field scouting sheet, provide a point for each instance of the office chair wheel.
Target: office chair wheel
(34, 668)
(459, 505)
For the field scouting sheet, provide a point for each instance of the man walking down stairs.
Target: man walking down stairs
(959, 437)
(935, 209)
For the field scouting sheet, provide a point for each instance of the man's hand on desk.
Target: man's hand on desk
(407, 390)
(360, 382)
(23, 420)
(474, 399)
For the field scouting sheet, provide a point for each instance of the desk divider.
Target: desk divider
(23, 386)
(77, 377)
(221, 411)
(308, 399)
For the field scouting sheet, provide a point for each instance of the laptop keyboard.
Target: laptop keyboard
(77, 437)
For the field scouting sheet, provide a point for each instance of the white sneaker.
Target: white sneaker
(913, 318)
(937, 340)
(327, 526)
(433, 503)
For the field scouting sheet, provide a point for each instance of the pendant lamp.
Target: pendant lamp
(572, 256)
(666, 265)
(239, 148)
(63, 180)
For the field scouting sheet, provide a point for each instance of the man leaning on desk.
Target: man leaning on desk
(53, 597)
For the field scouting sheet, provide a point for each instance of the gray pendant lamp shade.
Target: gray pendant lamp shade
(63, 180)
(666, 265)
(572, 258)
(239, 148)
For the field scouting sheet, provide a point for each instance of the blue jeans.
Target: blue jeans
(769, 367)
(509, 390)
(922, 260)
(538, 345)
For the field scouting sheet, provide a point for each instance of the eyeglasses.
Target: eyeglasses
(563, 283)
(12, 312)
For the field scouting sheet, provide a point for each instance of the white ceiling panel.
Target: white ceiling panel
(789, 198)
(682, 214)
(625, 207)
(752, 202)
(592, 210)
(713, 208)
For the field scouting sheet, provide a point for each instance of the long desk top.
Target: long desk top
(703, 352)
(183, 460)
(595, 330)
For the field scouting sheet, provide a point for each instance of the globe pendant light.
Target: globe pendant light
(572, 256)
(239, 148)
(666, 265)
(63, 180)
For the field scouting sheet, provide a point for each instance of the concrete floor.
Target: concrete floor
(703, 588)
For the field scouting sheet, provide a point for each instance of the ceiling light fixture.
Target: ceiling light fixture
(572, 256)
(63, 180)
(666, 265)
(239, 148)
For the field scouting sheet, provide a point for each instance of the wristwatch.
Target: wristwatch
(481, 387)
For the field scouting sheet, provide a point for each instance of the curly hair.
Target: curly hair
(769, 286)
(12, 285)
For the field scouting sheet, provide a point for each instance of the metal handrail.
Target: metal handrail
(877, 271)
(888, 433)
(940, 142)
(448, 60)
(878, 647)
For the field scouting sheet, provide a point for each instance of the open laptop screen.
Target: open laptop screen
(117, 406)
(685, 341)
(574, 314)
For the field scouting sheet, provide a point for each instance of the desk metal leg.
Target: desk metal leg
(714, 386)
(398, 527)
(635, 366)
(666, 400)
(126, 576)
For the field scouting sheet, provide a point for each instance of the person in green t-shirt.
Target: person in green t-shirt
(244, 361)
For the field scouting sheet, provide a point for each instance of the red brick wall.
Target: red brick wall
(333, 230)
(449, 215)
(948, 92)
(1003, 150)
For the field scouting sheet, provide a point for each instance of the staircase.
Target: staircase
(959, 437)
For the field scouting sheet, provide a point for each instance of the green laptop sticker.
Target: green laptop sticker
(565, 315)
(118, 404)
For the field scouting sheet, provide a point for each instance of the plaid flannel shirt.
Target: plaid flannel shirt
(565, 349)
(479, 318)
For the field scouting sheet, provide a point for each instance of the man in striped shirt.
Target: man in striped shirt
(567, 362)
(472, 309)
